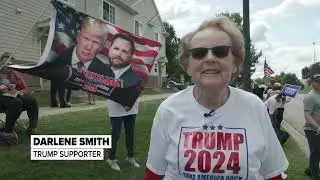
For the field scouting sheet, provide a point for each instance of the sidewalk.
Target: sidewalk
(48, 111)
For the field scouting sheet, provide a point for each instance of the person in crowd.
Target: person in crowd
(90, 40)
(258, 91)
(189, 128)
(312, 125)
(68, 97)
(91, 98)
(120, 53)
(272, 104)
(14, 98)
(280, 110)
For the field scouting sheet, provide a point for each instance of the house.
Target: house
(25, 25)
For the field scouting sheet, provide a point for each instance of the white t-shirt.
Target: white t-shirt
(272, 104)
(237, 142)
(115, 109)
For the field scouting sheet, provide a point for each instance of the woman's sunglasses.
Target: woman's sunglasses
(218, 51)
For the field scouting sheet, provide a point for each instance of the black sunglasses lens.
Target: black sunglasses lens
(221, 51)
(199, 53)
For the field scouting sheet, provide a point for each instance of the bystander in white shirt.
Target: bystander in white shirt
(115, 109)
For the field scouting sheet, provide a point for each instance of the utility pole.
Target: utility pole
(246, 35)
(314, 52)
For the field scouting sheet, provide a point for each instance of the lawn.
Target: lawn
(43, 97)
(15, 162)
(306, 89)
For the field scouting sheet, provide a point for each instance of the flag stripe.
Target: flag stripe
(267, 70)
(150, 53)
(67, 27)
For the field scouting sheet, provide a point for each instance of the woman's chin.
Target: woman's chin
(211, 83)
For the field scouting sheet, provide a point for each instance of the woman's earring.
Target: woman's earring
(235, 70)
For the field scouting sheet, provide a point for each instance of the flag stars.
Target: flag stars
(205, 127)
(68, 20)
(220, 127)
(61, 26)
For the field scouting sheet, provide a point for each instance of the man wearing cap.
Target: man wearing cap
(312, 125)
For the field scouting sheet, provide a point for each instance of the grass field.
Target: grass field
(16, 165)
(43, 97)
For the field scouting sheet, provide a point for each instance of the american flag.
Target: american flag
(267, 69)
(67, 24)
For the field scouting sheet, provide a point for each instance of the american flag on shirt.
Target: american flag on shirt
(67, 25)
(267, 69)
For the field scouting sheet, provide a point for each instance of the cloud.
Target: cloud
(286, 59)
(317, 24)
(284, 9)
(258, 31)
(185, 15)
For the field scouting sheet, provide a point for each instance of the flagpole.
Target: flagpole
(25, 35)
(246, 32)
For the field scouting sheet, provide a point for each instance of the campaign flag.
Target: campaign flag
(290, 90)
(267, 69)
(75, 37)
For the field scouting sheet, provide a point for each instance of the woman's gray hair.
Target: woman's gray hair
(221, 23)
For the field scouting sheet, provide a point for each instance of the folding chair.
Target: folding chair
(20, 122)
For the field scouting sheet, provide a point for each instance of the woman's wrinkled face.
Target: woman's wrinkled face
(210, 60)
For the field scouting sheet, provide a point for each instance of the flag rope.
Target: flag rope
(24, 37)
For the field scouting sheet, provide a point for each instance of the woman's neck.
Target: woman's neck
(211, 98)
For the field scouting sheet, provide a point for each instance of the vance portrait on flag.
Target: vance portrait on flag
(78, 54)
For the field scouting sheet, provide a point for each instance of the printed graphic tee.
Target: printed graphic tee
(237, 142)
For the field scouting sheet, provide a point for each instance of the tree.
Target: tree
(172, 49)
(289, 78)
(254, 53)
(308, 72)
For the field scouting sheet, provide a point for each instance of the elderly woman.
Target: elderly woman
(212, 130)
(312, 126)
(19, 100)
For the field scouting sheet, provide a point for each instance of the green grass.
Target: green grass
(297, 161)
(43, 97)
(306, 89)
(16, 164)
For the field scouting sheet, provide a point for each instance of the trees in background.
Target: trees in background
(308, 71)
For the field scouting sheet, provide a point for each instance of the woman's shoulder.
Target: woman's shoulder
(178, 98)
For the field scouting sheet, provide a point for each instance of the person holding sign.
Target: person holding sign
(312, 126)
(120, 53)
(212, 130)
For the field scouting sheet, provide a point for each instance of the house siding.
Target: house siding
(145, 15)
(14, 27)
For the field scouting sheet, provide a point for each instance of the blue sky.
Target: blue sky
(283, 29)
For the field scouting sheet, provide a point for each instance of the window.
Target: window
(156, 67)
(138, 28)
(70, 2)
(156, 37)
(109, 12)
